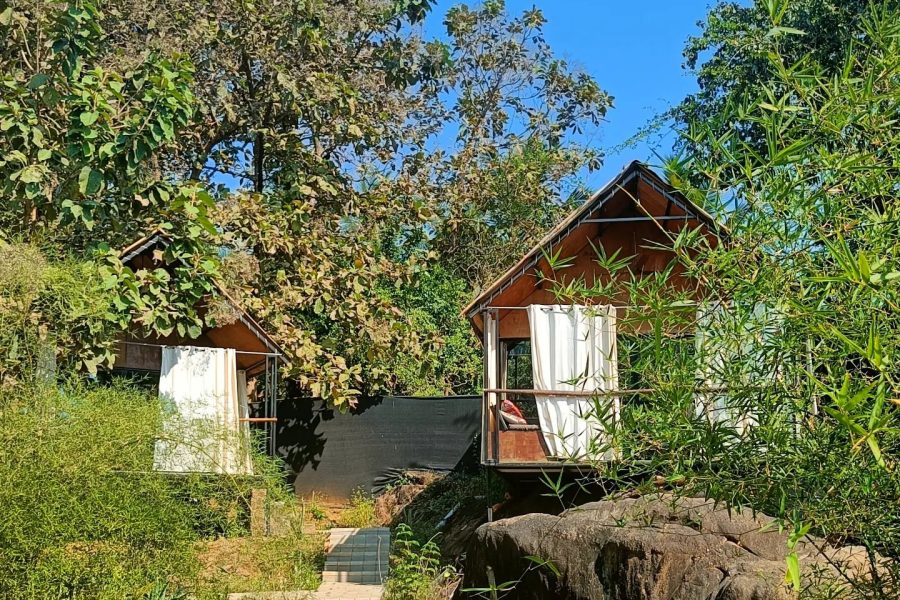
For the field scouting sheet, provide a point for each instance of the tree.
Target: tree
(335, 115)
(80, 170)
(81, 138)
(293, 93)
(521, 116)
(730, 56)
(355, 152)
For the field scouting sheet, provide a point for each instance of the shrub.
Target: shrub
(51, 312)
(85, 514)
(361, 512)
(415, 567)
(800, 308)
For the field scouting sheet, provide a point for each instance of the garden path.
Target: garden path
(356, 564)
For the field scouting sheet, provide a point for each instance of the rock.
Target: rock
(646, 548)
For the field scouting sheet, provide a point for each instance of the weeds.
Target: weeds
(313, 509)
(256, 564)
(416, 572)
(361, 512)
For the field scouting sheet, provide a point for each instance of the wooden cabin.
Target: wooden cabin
(638, 214)
(256, 353)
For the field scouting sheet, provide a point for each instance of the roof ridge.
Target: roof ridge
(634, 168)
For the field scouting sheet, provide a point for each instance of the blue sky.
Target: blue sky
(633, 50)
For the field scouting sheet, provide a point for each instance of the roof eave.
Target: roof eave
(633, 169)
(157, 236)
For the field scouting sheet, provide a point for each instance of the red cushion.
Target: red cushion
(510, 407)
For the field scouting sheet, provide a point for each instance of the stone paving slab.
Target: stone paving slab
(349, 591)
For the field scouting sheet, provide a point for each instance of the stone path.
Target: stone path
(357, 563)
(355, 568)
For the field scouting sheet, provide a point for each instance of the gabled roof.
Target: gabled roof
(157, 237)
(635, 170)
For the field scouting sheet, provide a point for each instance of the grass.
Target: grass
(258, 564)
(360, 513)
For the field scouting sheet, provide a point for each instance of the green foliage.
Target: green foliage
(51, 313)
(731, 54)
(169, 297)
(66, 313)
(452, 364)
(360, 513)
(420, 567)
(415, 567)
(81, 169)
(334, 116)
(806, 167)
(86, 516)
(79, 136)
(524, 117)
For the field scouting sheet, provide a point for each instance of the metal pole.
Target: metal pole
(274, 407)
(271, 426)
(161, 346)
(495, 322)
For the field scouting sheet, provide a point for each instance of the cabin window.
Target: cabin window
(517, 354)
(516, 374)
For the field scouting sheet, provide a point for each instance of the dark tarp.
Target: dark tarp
(333, 454)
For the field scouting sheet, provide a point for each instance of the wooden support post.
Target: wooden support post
(258, 521)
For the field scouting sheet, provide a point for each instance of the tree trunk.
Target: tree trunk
(258, 158)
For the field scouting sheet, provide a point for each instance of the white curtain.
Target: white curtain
(243, 404)
(491, 378)
(733, 347)
(203, 398)
(574, 349)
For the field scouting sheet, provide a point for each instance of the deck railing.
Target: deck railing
(492, 399)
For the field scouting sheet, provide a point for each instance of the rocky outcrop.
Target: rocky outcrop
(646, 548)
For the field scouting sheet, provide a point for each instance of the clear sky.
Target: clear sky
(633, 50)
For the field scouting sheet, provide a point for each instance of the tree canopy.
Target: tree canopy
(317, 157)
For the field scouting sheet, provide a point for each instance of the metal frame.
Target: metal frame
(490, 448)
(270, 394)
(490, 453)
(636, 219)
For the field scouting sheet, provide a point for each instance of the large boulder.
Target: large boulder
(645, 548)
